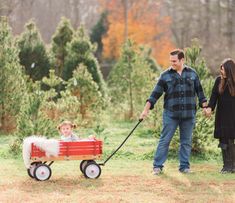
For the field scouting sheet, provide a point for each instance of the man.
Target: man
(181, 85)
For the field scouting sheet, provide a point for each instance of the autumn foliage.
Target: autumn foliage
(143, 24)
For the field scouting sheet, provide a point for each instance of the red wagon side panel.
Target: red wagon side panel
(80, 148)
(72, 150)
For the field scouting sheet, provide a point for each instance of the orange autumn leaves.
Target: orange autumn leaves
(143, 24)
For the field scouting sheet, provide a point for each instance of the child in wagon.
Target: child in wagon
(66, 131)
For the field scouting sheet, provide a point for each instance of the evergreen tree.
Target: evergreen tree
(87, 92)
(97, 33)
(33, 54)
(146, 52)
(131, 79)
(52, 82)
(32, 118)
(62, 36)
(12, 81)
(194, 60)
(60, 107)
(80, 50)
(67, 107)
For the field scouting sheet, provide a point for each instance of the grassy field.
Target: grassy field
(120, 181)
(125, 178)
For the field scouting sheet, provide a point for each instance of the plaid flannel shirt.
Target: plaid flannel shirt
(180, 92)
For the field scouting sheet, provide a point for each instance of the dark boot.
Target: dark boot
(232, 148)
(227, 158)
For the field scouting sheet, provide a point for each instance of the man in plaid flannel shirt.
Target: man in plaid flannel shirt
(180, 84)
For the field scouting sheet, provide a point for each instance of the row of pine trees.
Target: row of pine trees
(43, 84)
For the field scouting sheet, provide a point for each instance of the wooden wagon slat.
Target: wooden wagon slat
(81, 143)
(62, 158)
(79, 153)
(79, 148)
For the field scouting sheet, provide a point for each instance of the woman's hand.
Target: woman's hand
(208, 112)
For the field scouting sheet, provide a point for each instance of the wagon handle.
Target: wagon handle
(140, 120)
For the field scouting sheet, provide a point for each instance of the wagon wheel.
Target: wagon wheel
(92, 170)
(84, 163)
(42, 172)
(31, 169)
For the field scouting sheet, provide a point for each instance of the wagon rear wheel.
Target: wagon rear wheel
(31, 169)
(92, 170)
(42, 172)
(84, 163)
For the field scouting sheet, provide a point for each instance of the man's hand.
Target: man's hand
(145, 112)
(204, 106)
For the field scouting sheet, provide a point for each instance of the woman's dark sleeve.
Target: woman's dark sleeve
(214, 94)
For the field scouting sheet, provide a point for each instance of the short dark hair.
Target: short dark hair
(178, 52)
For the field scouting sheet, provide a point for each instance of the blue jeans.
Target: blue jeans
(169, 127)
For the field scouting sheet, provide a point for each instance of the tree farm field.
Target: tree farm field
(127, 177)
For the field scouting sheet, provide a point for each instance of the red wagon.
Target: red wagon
(86, 150)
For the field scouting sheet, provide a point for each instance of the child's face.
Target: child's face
(66, 130)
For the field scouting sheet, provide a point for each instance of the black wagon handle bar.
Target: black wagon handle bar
(140, 120)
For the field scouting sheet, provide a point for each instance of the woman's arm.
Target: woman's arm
(214, 94)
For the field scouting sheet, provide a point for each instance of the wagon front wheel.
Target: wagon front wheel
(42, 172)
(31, 169)
(92, 170)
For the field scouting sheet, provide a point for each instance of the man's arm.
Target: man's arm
(155, 95)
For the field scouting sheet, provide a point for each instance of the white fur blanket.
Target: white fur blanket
(50, 146)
